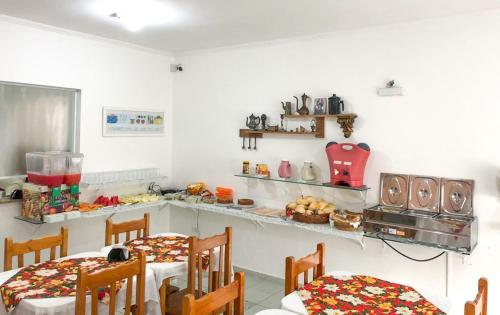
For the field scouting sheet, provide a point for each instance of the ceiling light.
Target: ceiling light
(134, 14)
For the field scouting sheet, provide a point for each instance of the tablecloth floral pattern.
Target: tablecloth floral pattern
(164, 249)
(51, 279)
(363, 295)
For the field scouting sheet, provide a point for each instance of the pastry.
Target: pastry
(303, 201)
(195, 189)
(245, 202)
(314, 205)
(224, 200)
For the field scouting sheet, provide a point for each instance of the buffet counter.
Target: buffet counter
(259, 219)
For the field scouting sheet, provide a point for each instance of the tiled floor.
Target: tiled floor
(261, 292)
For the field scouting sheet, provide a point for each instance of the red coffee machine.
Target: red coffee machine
(347, 163)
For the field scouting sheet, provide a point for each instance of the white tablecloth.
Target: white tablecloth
(66, 305)
(293, 303)
(167, 270)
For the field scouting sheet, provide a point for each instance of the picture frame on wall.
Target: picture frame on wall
(129, 122)
(320, 106)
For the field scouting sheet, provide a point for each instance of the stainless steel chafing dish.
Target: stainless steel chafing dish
(424, 210)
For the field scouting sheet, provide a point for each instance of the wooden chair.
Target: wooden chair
(12, 249)
(214, 301)
(198, 248)
(126, 227)
(315, 261)
(108, 279)
(480, 304)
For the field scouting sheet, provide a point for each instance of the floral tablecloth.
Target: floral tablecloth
(55, 278)
(164, 249)
(363, 295)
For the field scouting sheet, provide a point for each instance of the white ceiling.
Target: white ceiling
(203, 24)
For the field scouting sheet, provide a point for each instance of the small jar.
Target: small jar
(307, 172)
(246, 167)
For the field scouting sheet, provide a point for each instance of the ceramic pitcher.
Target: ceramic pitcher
(285, 170)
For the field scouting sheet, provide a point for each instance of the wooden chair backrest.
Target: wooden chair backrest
(199, 247)
(126, 227)
(214, 301)
(12, 249)
(108, 279)
(480, 305)
(315, 261)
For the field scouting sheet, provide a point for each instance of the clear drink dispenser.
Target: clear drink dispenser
(46, 168)
(73, 173)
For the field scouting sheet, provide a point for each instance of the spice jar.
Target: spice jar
(246, 167)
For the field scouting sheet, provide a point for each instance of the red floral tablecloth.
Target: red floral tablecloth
(51, 279)
(163, 249)
(363, 295)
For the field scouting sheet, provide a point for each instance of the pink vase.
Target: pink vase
(285, 170)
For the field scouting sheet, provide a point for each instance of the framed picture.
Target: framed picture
(123, 122)
(320, 105)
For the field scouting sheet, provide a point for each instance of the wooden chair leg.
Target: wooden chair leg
(164, 291)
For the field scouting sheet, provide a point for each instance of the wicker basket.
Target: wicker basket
(313, 218)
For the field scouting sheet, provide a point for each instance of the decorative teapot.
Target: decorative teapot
(287, 107)
(335, 105)
(253, 122)
(303, 110)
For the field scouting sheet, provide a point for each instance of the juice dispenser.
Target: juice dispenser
(73, 173)
(46, 168)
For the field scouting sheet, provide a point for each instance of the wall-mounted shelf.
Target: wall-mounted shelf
(106, 211)
(346, 122)
(249, 133)
(356, 236)
(302, 182)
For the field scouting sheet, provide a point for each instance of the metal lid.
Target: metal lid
(424, 193)
(394, 190)
(456, 197)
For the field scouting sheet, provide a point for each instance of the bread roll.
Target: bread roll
(300, 209)
(303, 201)
(323, 205)
(328, 210)
(291, 206)
(314, 205)
(310, 199)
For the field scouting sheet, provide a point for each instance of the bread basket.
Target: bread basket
(312, 218)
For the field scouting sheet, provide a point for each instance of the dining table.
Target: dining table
(163, 269)
(273, 311)
(66, 305)
(293, 302)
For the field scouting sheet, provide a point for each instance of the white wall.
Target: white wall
(109, 74)
(445, 125)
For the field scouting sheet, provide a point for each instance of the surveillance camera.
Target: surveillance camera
(175, 68)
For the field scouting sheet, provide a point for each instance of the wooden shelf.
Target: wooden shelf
(346, 122)
(259, 133)
(310, 116)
